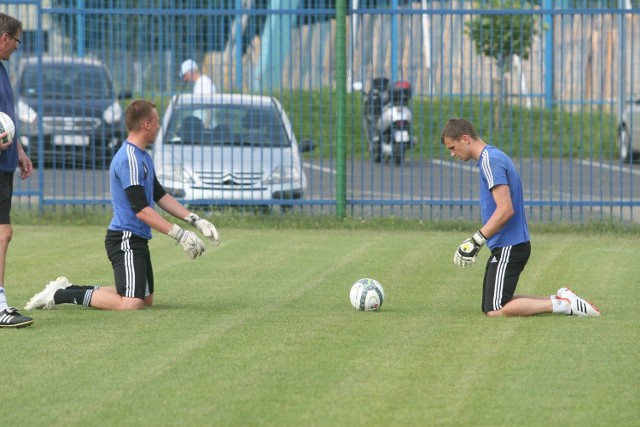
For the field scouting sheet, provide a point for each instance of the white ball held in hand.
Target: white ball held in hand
(467, 252)
(7, 125)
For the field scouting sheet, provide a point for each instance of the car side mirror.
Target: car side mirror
(305, 145)
(125, 94)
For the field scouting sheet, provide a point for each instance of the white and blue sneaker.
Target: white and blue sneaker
(44, 299)
(579, 306)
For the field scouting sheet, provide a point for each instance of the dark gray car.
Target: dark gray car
(72, 104)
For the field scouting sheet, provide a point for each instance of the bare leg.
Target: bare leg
(531, 297)
(106, 298)
(523, 305)
(6, 232)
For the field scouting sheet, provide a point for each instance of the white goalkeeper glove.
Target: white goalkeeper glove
(192, 245)
(467, 252)
(205, 227)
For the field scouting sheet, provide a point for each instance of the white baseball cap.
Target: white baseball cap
(187, 66)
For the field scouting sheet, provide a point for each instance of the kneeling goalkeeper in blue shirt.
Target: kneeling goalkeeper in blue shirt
(134, 190)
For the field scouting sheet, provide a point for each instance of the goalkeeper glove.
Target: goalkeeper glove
(191, 244)
(467, 252)
(205, 227)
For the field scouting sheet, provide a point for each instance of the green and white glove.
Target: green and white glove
(192, 245)
(205, 227)
(467, 252)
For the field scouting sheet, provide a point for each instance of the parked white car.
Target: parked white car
(629, 131)
(229, 149)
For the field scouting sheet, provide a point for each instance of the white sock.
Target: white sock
(3, 300)
(560, 305)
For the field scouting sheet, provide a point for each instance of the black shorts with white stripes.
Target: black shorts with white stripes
(131, 262)
(502, 273)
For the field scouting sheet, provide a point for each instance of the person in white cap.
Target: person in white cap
(202, 84)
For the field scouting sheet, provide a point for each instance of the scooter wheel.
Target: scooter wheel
(398, 154)
(376, 154)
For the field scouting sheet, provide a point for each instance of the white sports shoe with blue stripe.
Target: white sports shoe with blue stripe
(579, 306)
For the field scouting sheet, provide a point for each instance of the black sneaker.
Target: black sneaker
(10, 318)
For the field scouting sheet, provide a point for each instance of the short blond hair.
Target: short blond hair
(137, 112)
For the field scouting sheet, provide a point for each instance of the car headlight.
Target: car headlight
(112, 114)
(283, 175)
(174, 173)
(25, 113)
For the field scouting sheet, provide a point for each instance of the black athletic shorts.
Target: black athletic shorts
(131, 262)
(502, 273)
(6, 193)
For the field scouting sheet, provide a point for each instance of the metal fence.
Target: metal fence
(549, 89)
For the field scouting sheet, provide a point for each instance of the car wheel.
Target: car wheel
(624, 142)
(376, 153)
(285, 209)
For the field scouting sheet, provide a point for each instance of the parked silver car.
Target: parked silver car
(229, 149)
(629, 131)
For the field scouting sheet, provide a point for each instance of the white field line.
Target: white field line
(615, 168)
(322, 169)
(453, 165)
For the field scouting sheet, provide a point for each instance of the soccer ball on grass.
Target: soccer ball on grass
(367, 295)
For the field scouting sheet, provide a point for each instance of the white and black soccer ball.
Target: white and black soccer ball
(366, 295)
(7, 125)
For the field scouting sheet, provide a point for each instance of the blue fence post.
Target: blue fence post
(548, 55)
(80, 31)
(238, 41)
(622, 40)
(394, 41)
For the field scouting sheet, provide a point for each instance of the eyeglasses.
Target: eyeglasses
(16, 40)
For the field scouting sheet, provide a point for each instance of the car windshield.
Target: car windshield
(227, 125)
(67, 81)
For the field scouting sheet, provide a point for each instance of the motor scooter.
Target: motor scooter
(387, 120)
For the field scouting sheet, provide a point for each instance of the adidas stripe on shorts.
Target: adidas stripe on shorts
(131, 262)
(502, 273)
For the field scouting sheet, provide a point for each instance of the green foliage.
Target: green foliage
(501, 36)
(260, 332)
(528, 132)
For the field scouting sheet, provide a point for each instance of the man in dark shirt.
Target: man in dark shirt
(12, 156)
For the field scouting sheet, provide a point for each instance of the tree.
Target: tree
(500, 36)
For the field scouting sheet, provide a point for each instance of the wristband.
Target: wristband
(479, 238)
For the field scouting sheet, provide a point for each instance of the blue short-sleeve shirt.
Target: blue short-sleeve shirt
(496, 168)
(130, 166)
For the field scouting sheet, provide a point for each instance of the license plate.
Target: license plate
(81, 140)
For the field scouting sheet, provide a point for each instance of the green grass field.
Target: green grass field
(260, 332)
